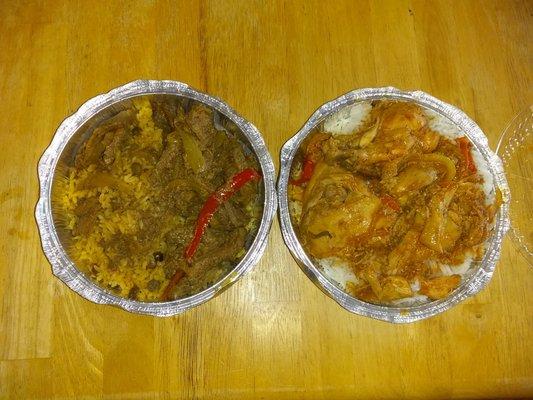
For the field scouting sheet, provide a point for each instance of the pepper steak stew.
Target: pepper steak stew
(162, 200)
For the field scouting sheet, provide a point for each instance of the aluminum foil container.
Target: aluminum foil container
(68, 138)
(480, 273)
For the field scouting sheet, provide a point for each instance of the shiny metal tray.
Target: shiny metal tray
(481, 273)
(74, 130)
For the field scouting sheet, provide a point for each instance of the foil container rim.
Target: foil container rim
(396, 314)
(64, 268)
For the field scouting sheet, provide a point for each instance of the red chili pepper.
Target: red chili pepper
(465, 145)
(391, 202)
(213, 202)
(307, 173)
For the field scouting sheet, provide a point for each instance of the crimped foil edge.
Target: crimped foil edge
(472, 284)
(64, 268)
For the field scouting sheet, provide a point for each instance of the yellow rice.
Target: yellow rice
(86, 251)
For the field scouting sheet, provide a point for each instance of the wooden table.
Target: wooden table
(273, 334)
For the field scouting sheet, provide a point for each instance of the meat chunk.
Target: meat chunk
(436, 227)
(218, 248)
(114, 146)
(171, 161)
(104, 136)
(394, 288)
(440, 287)
(402, 115)
(87, 216)
(338, 208)
(200, 120)
(165, 112)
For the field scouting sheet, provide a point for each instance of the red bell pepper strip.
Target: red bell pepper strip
(306, 174)
(465, 145)
(173, 282)
(211, 205)
(391, 202)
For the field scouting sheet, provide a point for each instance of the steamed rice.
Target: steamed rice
(349, 119)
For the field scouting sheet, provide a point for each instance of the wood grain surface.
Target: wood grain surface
(273, 335)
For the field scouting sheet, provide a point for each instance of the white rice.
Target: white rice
(447, 270)
(415, 299)
(349, 119)
(338, 271)
(442, 124)
(460, 269)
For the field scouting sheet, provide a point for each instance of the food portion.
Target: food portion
(161, 201)
(392, 201)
